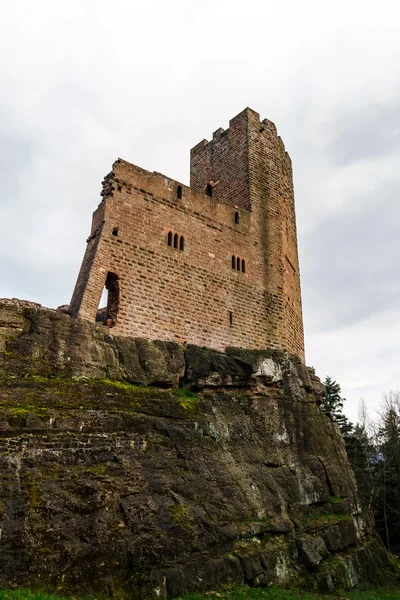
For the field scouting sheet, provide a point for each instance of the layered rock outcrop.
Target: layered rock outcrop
(131, 467)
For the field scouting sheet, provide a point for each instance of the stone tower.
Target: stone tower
(214, 264)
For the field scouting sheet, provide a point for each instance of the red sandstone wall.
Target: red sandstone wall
(188, 295)
(166, 293)
(272, 195)
(250, 152)
(225, 163)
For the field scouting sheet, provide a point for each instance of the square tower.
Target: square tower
(247, 166)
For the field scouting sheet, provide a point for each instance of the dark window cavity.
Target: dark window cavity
(115, 231)
(239, 264)
(107, 315)
(209, 190)
(119, 188)
(230, 318)
(176, 241)
(179, 192)
(236, 218)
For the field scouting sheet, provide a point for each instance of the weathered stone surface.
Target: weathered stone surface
(116, 480)
(340, 536)
(39, 341)
(312, 549)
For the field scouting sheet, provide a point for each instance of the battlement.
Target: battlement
(213, 264)
(248, 117)
(227, 161)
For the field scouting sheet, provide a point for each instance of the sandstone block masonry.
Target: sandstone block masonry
(213, 264)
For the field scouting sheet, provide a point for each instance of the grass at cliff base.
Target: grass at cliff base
(239, 593)
(275, 593)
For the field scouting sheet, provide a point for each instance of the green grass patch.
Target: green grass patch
(178, 512)
(335, 499)
(38, 394)
(188, 400)
(180, 515)
(243, 592)
(26, 595)
(115, 383)
(23, 411)
(31, 392)
(325, 519)
(7, 354)
(240, 592)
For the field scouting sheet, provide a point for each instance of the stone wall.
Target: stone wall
(191, 293)
(133, 468)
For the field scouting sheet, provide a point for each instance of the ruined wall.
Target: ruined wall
(166, 293)
(193, 294)
(117, 481)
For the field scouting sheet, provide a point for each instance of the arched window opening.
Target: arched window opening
(238, 263)
(181, 243)
(179, 192)
(233, 262)
(236, 218)
(169, 238)
(209, 190)
(115, 231)
(176, 238)
(243, 266)
(109, 301)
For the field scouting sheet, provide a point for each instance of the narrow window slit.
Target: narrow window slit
(179, 192)
(233, 262)
(181, 243)
(230, 317)
(238, 263)
(176, 238)
(236, 218)
(170, 238)
(209, 190)
(243, 266)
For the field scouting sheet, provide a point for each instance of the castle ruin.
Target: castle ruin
(214, 264)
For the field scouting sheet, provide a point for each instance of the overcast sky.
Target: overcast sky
(86, 81)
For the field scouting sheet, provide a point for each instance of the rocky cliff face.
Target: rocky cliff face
(136, 468)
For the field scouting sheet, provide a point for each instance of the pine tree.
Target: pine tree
(387, 510)
(332, 405)
(332, 400)
(362, 457)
